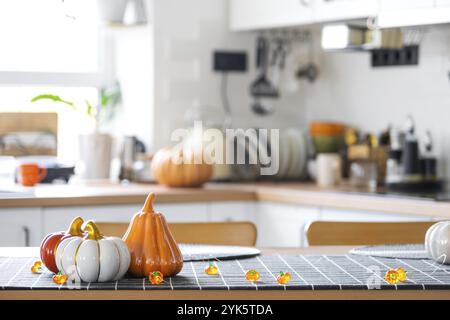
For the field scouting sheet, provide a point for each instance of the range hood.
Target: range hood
(343, 37)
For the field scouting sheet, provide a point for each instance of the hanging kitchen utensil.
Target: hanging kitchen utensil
(310, 70)
(262, 87)
(261, 108)
(278, 60)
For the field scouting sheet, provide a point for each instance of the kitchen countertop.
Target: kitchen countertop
(300, 193)
(104, 193)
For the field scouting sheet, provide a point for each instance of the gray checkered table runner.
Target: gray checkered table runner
(338, 272)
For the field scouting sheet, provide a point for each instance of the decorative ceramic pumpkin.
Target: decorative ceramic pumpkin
(52, 240)
(437, 242)
(184, 173)
(93, 258)
(151, 244)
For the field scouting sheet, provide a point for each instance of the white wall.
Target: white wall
(349, 90)
(185, 35)
(133, 53)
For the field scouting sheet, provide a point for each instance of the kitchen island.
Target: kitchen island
(314, 279)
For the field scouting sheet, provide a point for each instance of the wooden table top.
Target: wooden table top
(220, 294)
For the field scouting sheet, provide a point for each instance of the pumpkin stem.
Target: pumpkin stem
(92, 231)
(148, 205)
(75, 227)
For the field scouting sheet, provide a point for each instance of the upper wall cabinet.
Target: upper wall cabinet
(266, 14)
(388, 5)
(404, 13)
(335, 10)
(262, 14)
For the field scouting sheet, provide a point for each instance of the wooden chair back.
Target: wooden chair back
(213, 233)
(326, 233)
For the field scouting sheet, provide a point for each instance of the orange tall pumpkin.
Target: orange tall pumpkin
(151, 244)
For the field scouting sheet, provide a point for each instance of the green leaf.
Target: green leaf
(89, 109)
(53, 98)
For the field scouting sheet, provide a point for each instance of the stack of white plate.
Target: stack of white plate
(245, 171)
(293, 154)
(291, 160)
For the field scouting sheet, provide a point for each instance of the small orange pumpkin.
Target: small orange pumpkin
(151, 244)
(183, 174)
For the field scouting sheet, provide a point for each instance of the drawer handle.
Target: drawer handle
(305, 3)
(26, 233)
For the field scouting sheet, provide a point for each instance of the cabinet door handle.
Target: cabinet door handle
(26, 233)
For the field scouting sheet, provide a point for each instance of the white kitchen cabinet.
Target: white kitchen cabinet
(282, 225)
(184, 212)
(331, 214)
(442, 3)
(262, 14)
(336, 10)
(387, 5)
(20, 227)
(58, 218)
(232, 211)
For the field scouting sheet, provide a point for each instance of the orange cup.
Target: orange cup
(30, 174)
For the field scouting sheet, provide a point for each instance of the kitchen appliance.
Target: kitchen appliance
(394, 169)
(343, 37)
(131, 146)
(411, 163)
(414, 172)
(428, 164)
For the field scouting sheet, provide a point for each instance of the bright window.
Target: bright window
(56, 47)
(70, 122)
(49, 36)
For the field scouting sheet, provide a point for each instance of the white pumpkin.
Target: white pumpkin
(437, 242)
(93, 258)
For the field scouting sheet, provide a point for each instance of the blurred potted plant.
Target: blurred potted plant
(95, 148)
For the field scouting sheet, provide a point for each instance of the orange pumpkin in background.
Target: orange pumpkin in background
(183, 174)
(52, 240)
(151, 244)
